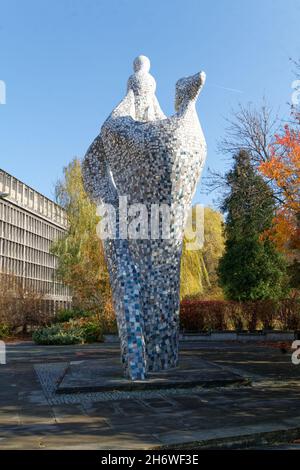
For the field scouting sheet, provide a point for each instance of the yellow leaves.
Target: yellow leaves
(81, 263)
(198, 267)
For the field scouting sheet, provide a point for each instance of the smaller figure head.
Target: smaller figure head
(141, 64)
(188, 89)
(141, 82)
(143, 86)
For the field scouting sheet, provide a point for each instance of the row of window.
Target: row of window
(30, 198)
(25, 253)
(30, 275)
(47, 288)
(18, 235)
(20, 219)
(24, 269)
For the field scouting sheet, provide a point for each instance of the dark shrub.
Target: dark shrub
(289, 314)
(191, 316)
(65, 315)
(203, 315)
(57, 334)
(199, 315)
(266, 312)
(76, 331)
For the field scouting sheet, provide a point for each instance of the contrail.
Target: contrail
(234, 90)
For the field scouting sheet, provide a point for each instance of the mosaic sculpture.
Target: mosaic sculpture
(155, 161)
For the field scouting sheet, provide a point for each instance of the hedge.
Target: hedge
(217, 315)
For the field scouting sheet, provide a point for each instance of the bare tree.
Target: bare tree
(20, 307)
(251, 129)
(295, 104)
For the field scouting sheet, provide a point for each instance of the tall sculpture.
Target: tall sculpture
(155, 161)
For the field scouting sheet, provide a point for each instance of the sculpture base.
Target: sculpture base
(107, 375)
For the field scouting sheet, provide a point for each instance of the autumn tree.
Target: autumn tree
(251, 268)
(199, 267)
(283, 169)
(214, 243)
(81, 263)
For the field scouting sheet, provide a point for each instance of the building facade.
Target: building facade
(29, 223)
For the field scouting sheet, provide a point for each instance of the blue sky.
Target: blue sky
(66, 63)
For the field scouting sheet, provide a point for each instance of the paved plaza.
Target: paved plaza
(260, 408)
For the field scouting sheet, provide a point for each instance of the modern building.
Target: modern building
(29, 222)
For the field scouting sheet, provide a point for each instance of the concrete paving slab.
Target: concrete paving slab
(107, 375)
(263, 414)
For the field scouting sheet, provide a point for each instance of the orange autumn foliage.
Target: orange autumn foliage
(283, 169)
